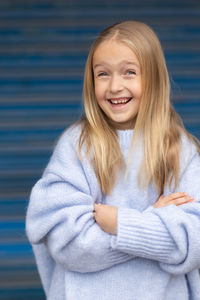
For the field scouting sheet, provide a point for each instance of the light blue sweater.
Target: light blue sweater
(156, 252)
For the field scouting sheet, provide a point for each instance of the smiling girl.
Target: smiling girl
(116, 214)
(117, 83)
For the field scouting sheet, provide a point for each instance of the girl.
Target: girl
(111, 218)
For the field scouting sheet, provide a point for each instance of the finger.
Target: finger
(174, 197)
(177, 195)
(183, 200)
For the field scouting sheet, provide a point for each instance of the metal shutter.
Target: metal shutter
(43, 48)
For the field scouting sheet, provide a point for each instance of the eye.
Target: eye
(102, 74)
(130, 72)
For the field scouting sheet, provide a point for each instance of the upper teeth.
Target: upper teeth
(119, 101)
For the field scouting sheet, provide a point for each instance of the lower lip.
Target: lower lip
(120, 105)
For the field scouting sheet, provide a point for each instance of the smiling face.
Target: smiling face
(117, 80)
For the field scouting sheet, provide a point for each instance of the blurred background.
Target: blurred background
(43, 49)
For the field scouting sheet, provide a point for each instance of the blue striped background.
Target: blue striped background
(43, 48)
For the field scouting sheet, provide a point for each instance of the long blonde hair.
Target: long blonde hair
(157, 122)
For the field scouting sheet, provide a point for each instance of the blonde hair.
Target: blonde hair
(157, 122)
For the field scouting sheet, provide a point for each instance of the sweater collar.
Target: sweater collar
(125, 137)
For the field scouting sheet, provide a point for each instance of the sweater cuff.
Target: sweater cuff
(142, 234)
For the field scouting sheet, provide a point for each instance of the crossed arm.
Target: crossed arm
(61, 215)
(106, 215)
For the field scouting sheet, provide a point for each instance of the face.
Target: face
(117, 80)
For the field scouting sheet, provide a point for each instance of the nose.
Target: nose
(115, 84)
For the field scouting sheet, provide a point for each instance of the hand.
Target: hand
(106, 217)
(175, 198)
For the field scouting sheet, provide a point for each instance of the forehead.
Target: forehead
(114, 52)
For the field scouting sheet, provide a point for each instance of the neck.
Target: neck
(123, 125)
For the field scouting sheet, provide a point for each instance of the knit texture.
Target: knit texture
(156, 252)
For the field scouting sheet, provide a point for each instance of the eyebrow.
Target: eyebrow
(121, 63)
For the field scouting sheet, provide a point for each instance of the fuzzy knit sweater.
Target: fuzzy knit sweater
(156, 252)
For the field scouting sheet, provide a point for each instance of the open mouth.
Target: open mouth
(118, 101)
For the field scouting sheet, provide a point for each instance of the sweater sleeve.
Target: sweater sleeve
(60, 215)
(169, 235)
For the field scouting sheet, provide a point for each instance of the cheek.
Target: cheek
(138, 90)
(139, 94)
(99, 91)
